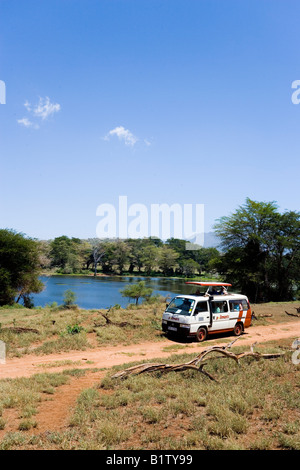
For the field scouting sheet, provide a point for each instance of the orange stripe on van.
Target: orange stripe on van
(241, 314)
(248, 318)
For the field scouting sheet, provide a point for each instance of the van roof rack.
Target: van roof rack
(220, 284)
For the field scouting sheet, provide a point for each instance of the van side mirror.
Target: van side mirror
(167, 305)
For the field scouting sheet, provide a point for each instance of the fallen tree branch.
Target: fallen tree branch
(19, 330)
(262, 315)
(108, 321)
(293, 314)
(196, 363)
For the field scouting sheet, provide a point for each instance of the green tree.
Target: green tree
(67, 254)
(167, 260)
(262, 247)
(136, 255)
(203, 256)
(150, 258)
(121, 255)
(188, 267)
(136, 291)
(19, 268)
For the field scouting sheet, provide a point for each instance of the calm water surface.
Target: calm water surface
(103, 292)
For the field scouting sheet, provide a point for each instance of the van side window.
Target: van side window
(235, 305)
(201, 307)
(219, 307)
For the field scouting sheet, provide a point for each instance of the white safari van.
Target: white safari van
(213, 311)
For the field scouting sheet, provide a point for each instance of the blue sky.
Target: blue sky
(164, 101)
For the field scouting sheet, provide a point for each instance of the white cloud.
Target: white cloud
(27, 106)
(42, 111)
(122, 134)
(26, 123)
(44, 108)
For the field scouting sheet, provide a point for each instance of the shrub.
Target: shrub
(74, 330)
(69, 298)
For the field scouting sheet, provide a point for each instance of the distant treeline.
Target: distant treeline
(143, 256)
(260, 256)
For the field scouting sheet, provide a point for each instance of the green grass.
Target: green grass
(57, 332)
(25, 394)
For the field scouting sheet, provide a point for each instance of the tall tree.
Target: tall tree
(97, 254)
(167, 260)
(150, 258)
(19, 268)
(261, 246)
(66, 254)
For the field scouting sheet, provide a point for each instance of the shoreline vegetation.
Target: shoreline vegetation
(257, 252)
(260, 257)
(63, 328)
(125, 274)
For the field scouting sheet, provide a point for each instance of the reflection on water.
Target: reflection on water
(103, 292)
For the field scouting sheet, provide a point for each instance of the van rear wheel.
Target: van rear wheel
(201, 334)
(238, 329)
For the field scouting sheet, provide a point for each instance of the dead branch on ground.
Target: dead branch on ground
(108, 322)
(294, 314)
(19, 330)
(262, 315)
(197, 363)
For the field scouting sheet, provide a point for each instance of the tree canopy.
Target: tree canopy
(135, 291)
(19, 268)
(148, 255)
(261, 250)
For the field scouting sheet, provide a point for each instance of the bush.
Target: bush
(74, 330)
(69, 298)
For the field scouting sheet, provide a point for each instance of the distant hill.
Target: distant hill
(211, 240)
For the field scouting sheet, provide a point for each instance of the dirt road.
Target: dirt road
(110, 356)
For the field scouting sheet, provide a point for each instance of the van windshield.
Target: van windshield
(181, 306)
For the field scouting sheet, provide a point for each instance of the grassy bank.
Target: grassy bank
(61, 329)
(51, 330)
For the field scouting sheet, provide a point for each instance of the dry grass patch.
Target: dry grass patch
(254, 406)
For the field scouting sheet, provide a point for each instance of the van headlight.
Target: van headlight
(184, 325)
(164, 322)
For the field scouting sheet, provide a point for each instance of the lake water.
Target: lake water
(103, 292)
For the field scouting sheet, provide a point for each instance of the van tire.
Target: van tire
(201, 334)
(238, 329)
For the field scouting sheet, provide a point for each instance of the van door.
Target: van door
(220, 315)
(201, 314)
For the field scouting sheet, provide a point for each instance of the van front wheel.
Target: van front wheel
(201, 334)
